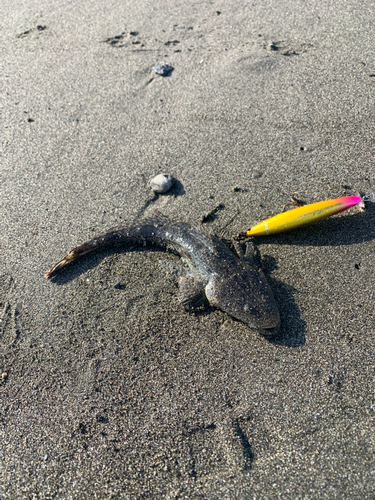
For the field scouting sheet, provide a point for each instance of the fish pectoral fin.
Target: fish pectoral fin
(251, 255)
(192, 293)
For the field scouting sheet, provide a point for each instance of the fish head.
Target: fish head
(245, 295)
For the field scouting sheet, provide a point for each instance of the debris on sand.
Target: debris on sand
(163, 69)
(162, 183)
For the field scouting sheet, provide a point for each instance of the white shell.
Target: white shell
(162, 183)
(163, 69)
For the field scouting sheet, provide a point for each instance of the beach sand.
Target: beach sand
(118, 392)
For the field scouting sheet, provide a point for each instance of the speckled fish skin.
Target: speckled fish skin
(229, 282)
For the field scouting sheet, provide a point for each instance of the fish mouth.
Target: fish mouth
(269, 331)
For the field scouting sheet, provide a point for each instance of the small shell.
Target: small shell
(162, 183)
(163, 69)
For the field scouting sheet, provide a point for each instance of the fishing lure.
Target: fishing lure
(306, 215)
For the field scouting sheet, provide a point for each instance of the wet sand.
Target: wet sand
(115, 392)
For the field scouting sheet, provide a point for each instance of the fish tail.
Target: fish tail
(139, 231)
(77, 252)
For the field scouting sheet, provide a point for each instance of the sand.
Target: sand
(115, 392)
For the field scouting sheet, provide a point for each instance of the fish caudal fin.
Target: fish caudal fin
(62, 263)
(77, 252)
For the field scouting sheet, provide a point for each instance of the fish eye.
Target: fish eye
(249, 309)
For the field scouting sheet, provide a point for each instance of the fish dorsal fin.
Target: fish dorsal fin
(202, 234)
(206, 237)
(155, 218)
(158, 216)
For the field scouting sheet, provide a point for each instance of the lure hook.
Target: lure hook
(369, 197)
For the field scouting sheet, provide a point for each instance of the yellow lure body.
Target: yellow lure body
(303, 215)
